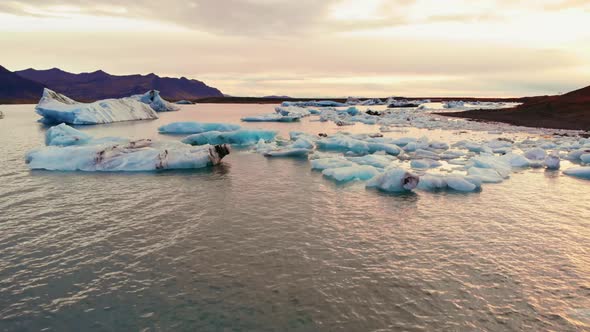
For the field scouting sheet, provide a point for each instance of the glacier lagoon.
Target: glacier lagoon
(268, 244)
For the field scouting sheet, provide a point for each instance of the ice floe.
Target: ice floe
(272, 117)
(66, 153)
(238, 137)
(187, 128)
(580, 172)
(394, 180)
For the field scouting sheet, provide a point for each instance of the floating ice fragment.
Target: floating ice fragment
(288, 152)
(325, 163)
(238, 137)
(580, 172)
(156, 102)
(394, 180)
(424, 163)
(552, 162)
(585, 158)
(349, 173)
(139, 155)
(187, 128)
(271, 118)
(535, 154)
(64, 135)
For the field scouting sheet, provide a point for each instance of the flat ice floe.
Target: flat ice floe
(238, 137)
(66, 153)
(188, 128)
(56, 108)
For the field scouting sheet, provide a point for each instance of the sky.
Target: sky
(313, 48)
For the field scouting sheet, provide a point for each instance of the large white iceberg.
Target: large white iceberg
(156, 102)
(67, 153)
(56, 108)
(188, 128)
(238, 137)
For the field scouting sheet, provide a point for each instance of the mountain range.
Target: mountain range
(16, 89)
(28, 85)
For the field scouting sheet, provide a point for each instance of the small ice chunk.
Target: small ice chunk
(325, 163)
(580, 172)
(585, 158)
(394, 180)
(64, 135)
(459, 183)
(424, 163)
(238, 137)
(375, 160)
(271, 118)
(535, 154)
(345, 174)
(552, 161)
(288, 152)
(487, 175)
(187, 128)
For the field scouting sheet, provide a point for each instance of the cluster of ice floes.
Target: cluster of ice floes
(282, 114)
(69, 149)
(187, 128)
(56, 108)
(402, 164)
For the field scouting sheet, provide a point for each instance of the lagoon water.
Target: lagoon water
(268, 245)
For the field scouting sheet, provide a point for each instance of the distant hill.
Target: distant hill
(101, 85)
(16, 89)
(568, 111)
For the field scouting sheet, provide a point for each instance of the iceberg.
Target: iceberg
(433, 182)
(184, 102)
(552, 162)
(394, 180)
(325, 163)
(580, 172)
(454, 104)
(486, 175)
(293, 111)
(64, 135)
(271, 118)
(288, 152)
(424, 163)
(188, 128)
(137, 155)
(349, 173)
(375, 160)
(156, 102)
(535, 154)
(238, 137)
(56, 108)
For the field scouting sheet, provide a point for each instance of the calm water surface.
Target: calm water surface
(268, 245)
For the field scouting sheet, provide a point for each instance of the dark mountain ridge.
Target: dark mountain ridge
(16, 89)
(101, 85)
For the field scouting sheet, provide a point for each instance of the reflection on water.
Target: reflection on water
(261, 244)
